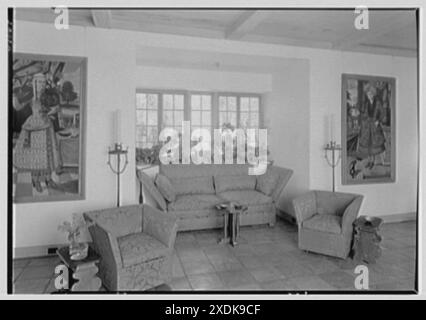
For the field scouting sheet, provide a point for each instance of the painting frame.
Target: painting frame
(353, 170)
(79, 118)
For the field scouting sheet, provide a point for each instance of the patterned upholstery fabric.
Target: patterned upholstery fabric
(325, 220)
(195, 213)
(324, 223)
(137, 254)
(195, 185)
(194, 202)
(139, 247)
(246, 197)
(240, 182)
(165, 187)
(119, 221)
(267, 182)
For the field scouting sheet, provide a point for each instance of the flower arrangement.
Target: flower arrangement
(74, 228)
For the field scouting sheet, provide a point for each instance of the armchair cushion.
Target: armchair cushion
(324, 223)
(246, 197)
(139, 247)
(242, 182)
(165, 187)
(194, 185)
(267, 182)
(194, 202)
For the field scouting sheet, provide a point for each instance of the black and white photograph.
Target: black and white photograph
(213, 150)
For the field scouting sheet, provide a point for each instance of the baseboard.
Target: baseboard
(36, 251)
(399, 217)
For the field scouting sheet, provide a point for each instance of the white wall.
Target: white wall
(109, 86)
(326, 70)
(300, 96)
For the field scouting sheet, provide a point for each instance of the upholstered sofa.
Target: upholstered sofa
(197, 189)
(135, 244)
(325, 221)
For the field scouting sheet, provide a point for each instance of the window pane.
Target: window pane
(206, 102)
(152, 117)
(140, 132)
(168, 101)
(254, 120)
(232, 103)
(222, 103)
(152, 134)
(244, 119)
(195, 102)
(178, 118)
(254, 104)
(152, 101)
(140, 117)
(179, 101)
(206, 118)
(141, 101)
(232, 118)
(167, 118)
(195, 118)
(222, 118)
(244, 106)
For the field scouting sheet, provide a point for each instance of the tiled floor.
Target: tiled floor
(264, 259)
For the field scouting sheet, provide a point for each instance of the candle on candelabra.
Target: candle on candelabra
(332, 127)
(117, 126)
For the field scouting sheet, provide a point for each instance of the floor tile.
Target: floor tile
(266, 273)
(180, 284)
(236, 278)
(311, 283)
(30, 286)
(37, 272)
(209, 281)
(339, 279)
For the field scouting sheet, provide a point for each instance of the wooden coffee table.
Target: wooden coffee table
(82, 273)
(231, 221)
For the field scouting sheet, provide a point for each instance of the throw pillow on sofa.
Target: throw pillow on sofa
(267, 182)
(226, 183)
(195, 185)
(165, 187)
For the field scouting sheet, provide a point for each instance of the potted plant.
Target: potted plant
(78, 250)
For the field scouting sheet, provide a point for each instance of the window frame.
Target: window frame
(187, 108)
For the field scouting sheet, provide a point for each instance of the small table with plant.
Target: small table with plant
(79, 257)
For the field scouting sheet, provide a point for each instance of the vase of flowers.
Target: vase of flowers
(77, 250)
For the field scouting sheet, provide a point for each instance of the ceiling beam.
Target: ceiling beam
(101, 18)
(245, 23)
(364, 36)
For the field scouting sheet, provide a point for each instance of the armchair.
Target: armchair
(325, 221)
(135, 244)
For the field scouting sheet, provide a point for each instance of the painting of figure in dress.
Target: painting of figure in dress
(368, 129)
(47, 107)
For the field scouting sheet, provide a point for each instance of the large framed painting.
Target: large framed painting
(368, 129)
(48, 105)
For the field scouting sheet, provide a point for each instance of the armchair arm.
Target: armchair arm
(285, 175)
(160, 225)
(105, 244)
(305, 207)
(152, 190)
(350, 214)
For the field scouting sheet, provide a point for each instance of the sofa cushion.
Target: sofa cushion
(165, 187)
(226, 183)
(267, 182)
(324, 223)
(246, 197)
(195, 185)
(333, 203)
(194, 202)
(139, 247)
